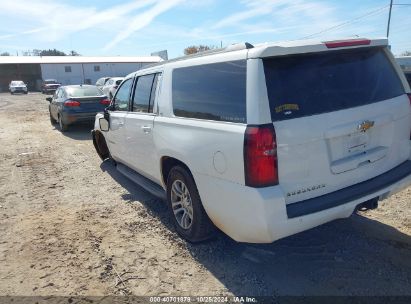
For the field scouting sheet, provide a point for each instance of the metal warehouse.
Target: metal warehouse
(67, 69)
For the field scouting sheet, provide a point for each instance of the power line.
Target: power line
(346, 22)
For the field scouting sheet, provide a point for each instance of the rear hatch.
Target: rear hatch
(341, 117)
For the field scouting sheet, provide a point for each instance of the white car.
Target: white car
(17, 86)
(111, 85)
(101, 82)
(264, 142)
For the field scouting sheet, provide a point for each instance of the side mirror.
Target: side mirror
(104, 124)
(49, 99)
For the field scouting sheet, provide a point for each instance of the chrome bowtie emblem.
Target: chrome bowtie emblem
(365, 125)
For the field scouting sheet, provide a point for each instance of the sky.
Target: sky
(140, 27)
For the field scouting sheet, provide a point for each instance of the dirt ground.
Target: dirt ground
(72, 225)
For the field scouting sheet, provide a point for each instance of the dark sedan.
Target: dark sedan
(76, 104)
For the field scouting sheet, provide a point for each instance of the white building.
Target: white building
(67, 69)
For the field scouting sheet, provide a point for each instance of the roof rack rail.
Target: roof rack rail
(229, 48)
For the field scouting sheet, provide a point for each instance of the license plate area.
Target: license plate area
(357, 143)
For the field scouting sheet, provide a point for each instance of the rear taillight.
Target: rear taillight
(71, 103)
(260, 156)
(346, 43)
(105, 102)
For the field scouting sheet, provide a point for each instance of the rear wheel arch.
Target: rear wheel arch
(167, 163)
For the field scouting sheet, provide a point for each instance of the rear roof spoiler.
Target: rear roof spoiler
(311, 46)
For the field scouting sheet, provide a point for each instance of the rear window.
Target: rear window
(214, 91)
(408, 76)
(84, 91)
(304, 85)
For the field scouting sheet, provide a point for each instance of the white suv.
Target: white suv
(264, 142)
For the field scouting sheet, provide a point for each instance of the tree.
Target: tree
(406, 53)
(52, 52)
(74, 53)
(5, 54)
(193, 49)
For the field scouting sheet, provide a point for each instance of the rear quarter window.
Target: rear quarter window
(214, 91)
(309, 84)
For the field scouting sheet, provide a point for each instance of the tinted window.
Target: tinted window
(141, 100)
(408, 76)
(304, 85)
(122, 97)
(83, 91)
(50, 81)
(214, 91)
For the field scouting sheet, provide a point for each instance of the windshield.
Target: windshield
(83, 91)
(17, 83)
(51, 81)
(309, 84)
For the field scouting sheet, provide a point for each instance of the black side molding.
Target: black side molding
(349, 194)
(144, 182)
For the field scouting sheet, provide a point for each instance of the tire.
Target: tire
(101, 147)
(191, 223)
(63, 126)
(52, 120)
(26, 93)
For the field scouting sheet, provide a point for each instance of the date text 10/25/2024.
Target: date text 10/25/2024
(201, 299)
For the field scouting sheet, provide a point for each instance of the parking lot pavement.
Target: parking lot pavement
(71, 225)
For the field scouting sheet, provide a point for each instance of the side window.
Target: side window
(214, 91)
(122, 97)
(142, 94)
(56, 93)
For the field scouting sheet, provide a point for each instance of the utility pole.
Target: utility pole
(389, 19)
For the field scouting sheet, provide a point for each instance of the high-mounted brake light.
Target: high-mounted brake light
(71, 103)
(260, 156)
(346, 43)
(105, 102)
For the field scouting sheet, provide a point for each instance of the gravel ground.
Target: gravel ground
(71, 225)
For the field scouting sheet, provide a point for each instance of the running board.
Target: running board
(142, 181)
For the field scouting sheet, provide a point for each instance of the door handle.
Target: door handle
(146, 129)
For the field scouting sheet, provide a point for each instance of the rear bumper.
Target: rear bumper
(72, 117)
(18, 90)
(261, 215)
(349, 194)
